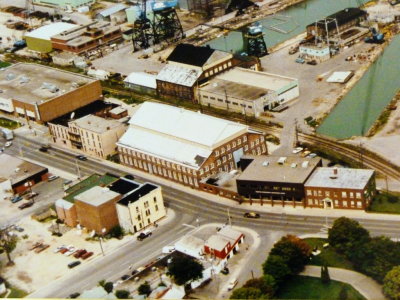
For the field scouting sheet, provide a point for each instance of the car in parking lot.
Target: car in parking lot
(16, 199)
(251, 215)
(297, 150)
(31, 195)
(53, 177)
(86, 255)
(144, 235)
(311, 155)
(225, 271)
(300, 60)
(74, 264)
(232, 284)
(81, 157)
(79, 253)
(26, 205)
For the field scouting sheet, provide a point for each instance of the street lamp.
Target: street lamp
(78, 171)
(103, 231)
(29, 184)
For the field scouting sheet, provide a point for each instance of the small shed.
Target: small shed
(142, 82)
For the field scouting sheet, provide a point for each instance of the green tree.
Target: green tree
(122, 294)
(108, 287)
(348, 237)
(116, 232)
(144, 289)
(8, 242)
(102, 283)
(184, 270)
(276, 267)
(265, 284)
(292, 253)
(343, 293)
(325, 278)
(246, 293)
(391, 284)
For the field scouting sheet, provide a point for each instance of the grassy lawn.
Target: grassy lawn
(4, 64)
(303, 287)
(16, 293)
(87, 184)
(10, 124)
(386, 203)
(327, 256)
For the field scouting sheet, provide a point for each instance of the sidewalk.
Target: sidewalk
(38, 133)
(366, 286)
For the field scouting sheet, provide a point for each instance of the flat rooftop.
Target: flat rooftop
(234, 89)
(33, 83)
(256, 79)
(96, 124)
(137, 194)
(92, 108)
(47, 31)
(345, 178)
(97, 196)
(17, 170)
(293, 169)
(123, 186)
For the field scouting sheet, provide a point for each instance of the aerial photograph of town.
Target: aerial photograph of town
(200, 149)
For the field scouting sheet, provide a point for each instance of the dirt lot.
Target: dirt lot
(34, 270)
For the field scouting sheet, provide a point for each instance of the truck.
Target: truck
(7, 134)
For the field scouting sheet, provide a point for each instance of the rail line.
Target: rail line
(374, 161)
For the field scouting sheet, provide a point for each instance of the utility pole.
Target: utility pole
(78, 171)
(296, 133)
(361, 156)
(229, 218)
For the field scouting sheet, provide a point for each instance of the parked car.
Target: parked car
(26, 205)
(74, 264)
(8, 144)
(31, 195)
(63, 250)
(86, 255)
(312, 62)
(144, 235)
(81, 157)
(297, 150)
(232, 284)
(16, 199)
(74, 295)
(43, 149)
(225, 271)
(59, 248)
(300, 60)
(79, 253)
(311, 155)
(125, 277)
(251, 215)
(53, 177)
(67, 182)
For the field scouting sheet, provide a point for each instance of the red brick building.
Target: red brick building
(342, 188)
(185, 146)
(224, 244)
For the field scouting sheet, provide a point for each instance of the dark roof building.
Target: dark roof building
(137, 193)
(191, 55)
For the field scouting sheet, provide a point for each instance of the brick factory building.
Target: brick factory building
(185, 146)
(41, 93)
(340, 188)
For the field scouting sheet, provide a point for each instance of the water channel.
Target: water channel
(357, 111)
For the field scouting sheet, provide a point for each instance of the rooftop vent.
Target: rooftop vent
(265, 163)
(305, 164)
(293, 165)
(50, 87)
(282, 160)
(10, 76)
(334, 173)
(24, 79)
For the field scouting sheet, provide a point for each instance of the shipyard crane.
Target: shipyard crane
(376, 36)
(166, 24)
(143, 33)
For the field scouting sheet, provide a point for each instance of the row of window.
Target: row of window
(156, 160)
(219, 69)
(345, 203)
(158, 170)
(231, 145)
(343, 194)
(226, 101)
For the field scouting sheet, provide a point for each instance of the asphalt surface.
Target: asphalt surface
(189, 209)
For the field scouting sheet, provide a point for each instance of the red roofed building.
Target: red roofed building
(221, 245)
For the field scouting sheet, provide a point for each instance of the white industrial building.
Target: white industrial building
(247, 91)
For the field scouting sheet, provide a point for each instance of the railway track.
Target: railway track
(374, 161)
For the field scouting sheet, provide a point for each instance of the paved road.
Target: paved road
(367, 287)
(188, 207)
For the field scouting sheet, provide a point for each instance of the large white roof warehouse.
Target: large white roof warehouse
(47, 31)
(176, 134)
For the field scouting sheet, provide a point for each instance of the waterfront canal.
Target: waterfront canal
(299, 16)
(358, 110)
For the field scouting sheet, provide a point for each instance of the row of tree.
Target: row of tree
(377, 257)
(288, 257)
